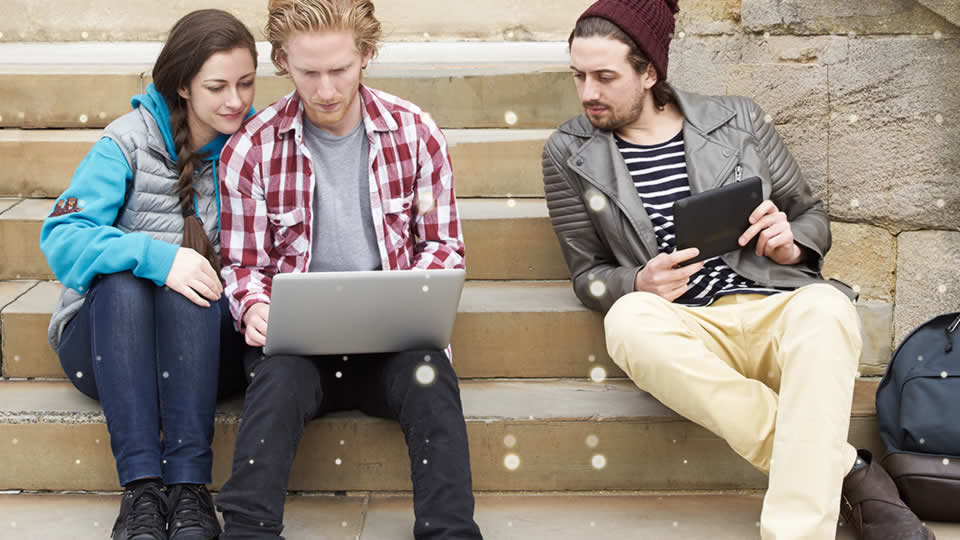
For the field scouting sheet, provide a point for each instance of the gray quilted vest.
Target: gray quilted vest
(151, 205)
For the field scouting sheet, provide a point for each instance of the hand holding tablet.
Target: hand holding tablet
(716, 221)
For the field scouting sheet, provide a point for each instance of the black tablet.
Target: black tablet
(713, 221)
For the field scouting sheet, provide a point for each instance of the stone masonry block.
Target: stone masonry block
(948, 9)
(701, 64)
(876, 326)
(806, 17)
(822, 50)
(795, 96)
(864, 257)
(928, 282)
(894, 133)
(708, 17)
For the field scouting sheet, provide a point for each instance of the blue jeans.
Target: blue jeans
(153, 359)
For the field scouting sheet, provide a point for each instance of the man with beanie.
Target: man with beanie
(753, 345)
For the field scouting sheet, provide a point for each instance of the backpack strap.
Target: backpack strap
(949, 330)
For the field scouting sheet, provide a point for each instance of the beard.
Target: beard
(612, 119)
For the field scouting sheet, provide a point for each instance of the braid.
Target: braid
(194, 236)
(186, 160)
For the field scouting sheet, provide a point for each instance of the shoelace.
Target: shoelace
(147, 513)
(191, 506)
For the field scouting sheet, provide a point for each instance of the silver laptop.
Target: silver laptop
(323, 313)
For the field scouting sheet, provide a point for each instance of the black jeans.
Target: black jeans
(286, 392)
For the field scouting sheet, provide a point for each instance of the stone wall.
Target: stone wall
(867, 96)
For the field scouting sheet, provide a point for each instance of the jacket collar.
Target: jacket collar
(703, 113)
(600, 160)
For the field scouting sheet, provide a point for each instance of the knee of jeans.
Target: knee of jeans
(428, 368)
(279, 379)
(283, 381)
(124, 284)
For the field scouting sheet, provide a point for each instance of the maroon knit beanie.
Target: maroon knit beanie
(649, 22)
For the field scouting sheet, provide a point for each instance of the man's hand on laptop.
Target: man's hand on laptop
(192, 276)
(255, 322)
(775, 238)
(662, 277)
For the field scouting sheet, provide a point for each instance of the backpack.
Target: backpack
(918, 412)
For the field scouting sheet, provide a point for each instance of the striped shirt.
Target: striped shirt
(659, 173)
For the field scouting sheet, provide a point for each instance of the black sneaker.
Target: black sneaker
(143, 514)
(192, 516)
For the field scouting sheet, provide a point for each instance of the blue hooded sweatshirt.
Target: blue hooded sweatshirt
(83, 242)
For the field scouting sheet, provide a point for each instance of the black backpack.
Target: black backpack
(918, 412)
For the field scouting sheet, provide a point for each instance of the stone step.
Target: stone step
(507, 239)
(401, 19)
(502, 330)
(486, 163)
(501, 516)
(511, 330)
(540, 435)
(481, 95)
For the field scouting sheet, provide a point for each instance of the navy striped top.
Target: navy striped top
(659, 173)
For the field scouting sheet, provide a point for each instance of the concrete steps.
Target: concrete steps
(512, 330)
(486, 163)
(508, 239)
(531, 435)
(503, 329)
(485, 95)
(501, 516)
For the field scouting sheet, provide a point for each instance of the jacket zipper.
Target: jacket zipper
(738, 173)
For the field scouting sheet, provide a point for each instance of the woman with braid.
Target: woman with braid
(142, 324)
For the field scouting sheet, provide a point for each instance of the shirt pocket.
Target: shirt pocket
(397, 214)
(289, 232)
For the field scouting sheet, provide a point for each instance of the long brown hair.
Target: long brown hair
(600, 27)
(193, 39)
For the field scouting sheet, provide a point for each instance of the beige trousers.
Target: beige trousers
(771, 375)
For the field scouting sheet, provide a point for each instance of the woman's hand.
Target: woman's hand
(192, 276)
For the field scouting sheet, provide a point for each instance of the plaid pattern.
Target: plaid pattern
(268, 188)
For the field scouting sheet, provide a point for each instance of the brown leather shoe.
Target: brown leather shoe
(872, 505)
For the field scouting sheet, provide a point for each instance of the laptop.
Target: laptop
(324, 313)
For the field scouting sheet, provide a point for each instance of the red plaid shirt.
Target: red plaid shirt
(267, 194)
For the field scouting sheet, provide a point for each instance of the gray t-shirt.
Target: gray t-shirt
(343, 235)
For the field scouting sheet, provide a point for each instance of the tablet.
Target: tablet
(714, 220)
